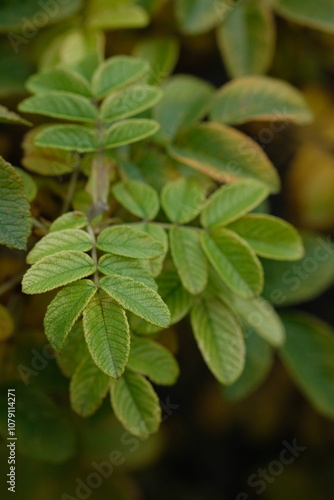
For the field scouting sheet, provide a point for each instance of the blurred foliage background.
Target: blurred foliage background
(209, 445)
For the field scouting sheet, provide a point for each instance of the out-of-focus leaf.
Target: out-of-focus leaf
(259, 98)
(129, 131)
(246, 39)
(308, 354)
(197, 16)
(7, 116)
(185, 101)
(129, 102)
(318, 14)
(231, 202)
(288, 283)
(269, 236)
(68, 138)
(119, 14)
(224, 154)
(29, 185)
(161, 54)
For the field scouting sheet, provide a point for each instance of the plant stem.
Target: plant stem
(90, 230)
(71, 189)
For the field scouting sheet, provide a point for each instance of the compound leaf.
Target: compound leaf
(123, 266)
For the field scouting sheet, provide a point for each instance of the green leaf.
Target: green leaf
(270, 236)
(153, 360)
(158, 233)
(138, 198)
(225, 154)
(60, 241)
(259, 98)
(29, 185)
(60, 79)
(106, 15)
(259, 360)
(289, 283)
(234, 261)
(15, 220)
(61, 105)
(107, 334)
(261, 317)
(46, 161)
(118, 72)
(137, 298)
(318, 14)
(70, 220)
(246, 39)
(25, 17)
(129, 242)
(129, 131)
(219, 338)
(42, 428)
(197, 16)
(232, 201)
(136, 404)
(183, 199)
(129, 102)
(7, 116)
(185, 101)
(177, 299)
(161, 54)
(189, 259)
(89, 386)
(123, 266)
(65, 309)
(308, 354)
(57, 270)
(69, 138)
(73, 350)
